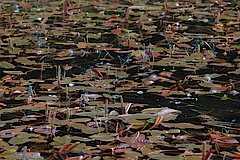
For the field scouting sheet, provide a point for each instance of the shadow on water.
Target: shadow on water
(198, 109)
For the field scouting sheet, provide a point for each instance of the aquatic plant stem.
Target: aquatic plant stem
(106, 108)
(46, 111)
(127, 13)
(108, 72)
(238, 18)
(204, 150)
(165, 8)
(53, 124)
(41, 72)
(10, 43)
(59, 77)
(217, 21)
(10, 22)
(67, 95)
(122, 104)
(68, 116)
(65, 2)
(129, 42)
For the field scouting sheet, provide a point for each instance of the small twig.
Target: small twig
(159, 119)
(123, 131)
(208, 154)
(135, 137)
(127, 107)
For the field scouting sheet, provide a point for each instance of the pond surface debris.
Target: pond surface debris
(119, 80)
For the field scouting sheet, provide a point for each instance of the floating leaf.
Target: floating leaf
(224, 97)
(46, 98)
(18, 140)
(209, 84)
(6, 65)
(64, 58)
(14, 72)
(182, 125)
(136, 116)
(81, 45)
(81, 119)
(237, 71)
(133, 154)
(25, 61)
(2, 143)
(85, 129)
(104, 136)
(226, 139)
(59, 141)
(7, 153)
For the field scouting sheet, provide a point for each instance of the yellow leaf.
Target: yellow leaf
(81, 45)
(224, 97)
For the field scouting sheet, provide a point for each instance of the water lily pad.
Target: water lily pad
(81, 119)
(156, 155)
(182, 125)
(18, 140)
(85, 129)
(64, 58)
(46, 98)
(133, 154)
(14, 72)
(209, 84)
(104, 136)
(136, 116)
(158, 132)
(6, 65)
(25, 61)
(3, 143)
(59, 141)
(8, 153)
(79, 148)
(237, 71)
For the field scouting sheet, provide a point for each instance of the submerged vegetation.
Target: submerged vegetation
(119, 79)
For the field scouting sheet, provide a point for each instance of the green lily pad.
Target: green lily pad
(209, 84)
(14, 72)
(104, 136)
(59, 141)
(6, 65)
(133, 154)
(136, 116)
(182, 125)
(18, 140)
(25, 61)
(46, 98)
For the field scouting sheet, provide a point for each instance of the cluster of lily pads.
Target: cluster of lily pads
(75, 75)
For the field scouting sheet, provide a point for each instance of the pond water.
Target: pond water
(119, 79)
